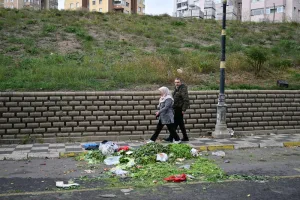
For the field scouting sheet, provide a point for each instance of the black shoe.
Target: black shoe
(167, 139)
(185, 139)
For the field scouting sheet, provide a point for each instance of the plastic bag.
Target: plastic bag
(185, 167)
(118, 171)
(176, 178)
(108, 148)
(194, 152)
(218, 153)
(162, 157)
(113, 160)
(61, 184)
(124, 148)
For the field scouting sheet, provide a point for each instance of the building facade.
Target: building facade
(271, 10)
(244, 10)
(1, 3)
(104, 6)
(34, 4)
(188, 9)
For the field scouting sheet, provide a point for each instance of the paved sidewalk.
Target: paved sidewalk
(24, 151)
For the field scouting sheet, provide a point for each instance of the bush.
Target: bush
(256, 57)
(281, 63)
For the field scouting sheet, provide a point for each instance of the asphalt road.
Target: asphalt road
(35, 179)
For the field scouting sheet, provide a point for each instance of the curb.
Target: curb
(291, 144)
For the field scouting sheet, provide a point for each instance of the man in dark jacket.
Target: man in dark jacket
(181, 103)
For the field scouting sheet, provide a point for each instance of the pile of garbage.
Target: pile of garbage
(125, 161)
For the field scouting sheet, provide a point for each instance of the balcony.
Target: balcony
(182, 7)
(182, 1)
(209, 4)
(193, 13)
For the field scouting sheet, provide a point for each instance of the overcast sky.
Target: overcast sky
(153, 7)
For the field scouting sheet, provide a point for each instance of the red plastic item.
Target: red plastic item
(124, 148)
(176, 178)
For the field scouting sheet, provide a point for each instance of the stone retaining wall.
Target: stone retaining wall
(91, 116)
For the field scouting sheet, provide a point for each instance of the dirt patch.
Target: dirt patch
(68, 46)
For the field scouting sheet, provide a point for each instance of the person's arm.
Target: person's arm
(185, 97)
(168, 105)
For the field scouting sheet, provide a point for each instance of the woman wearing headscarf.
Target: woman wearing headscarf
(165, 115)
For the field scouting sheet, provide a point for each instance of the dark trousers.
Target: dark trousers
(170, 128)
(178, 121)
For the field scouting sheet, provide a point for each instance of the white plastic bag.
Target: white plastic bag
(118, 171)
(108, 148)
(113, 160)
(61, 184)
(194, 152)
(218, 153)
(162, 157)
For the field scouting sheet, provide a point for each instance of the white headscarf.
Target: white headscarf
(166, 94)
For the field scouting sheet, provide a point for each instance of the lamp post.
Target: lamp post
(221, 130)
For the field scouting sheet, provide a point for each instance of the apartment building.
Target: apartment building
(34, 4)
(209, 9)
(1, 3)
(271, 10)
(233, 9)
(188, 9)
(124, 6)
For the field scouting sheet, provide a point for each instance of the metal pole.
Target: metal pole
(221, 130)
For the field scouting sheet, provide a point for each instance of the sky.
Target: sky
(153, 7)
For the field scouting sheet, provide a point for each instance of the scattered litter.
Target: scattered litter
(131, 163)
(108, 147)
(248, 195)
(180, 159)
(190, 176)
(231, 132)
(185, 167)
(113, 160)
(155, 181)
(126, 190)
(119, 172)
(127, 193)
(61, 184)
(124, 148)
(129, 152)
(162, 157)
(108, 195)
(227, 161)
(194, 152)
(91, 146)
(89, 171)
(43, 164)
(176, 178)
(219, 153)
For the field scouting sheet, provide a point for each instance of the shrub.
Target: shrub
(256, 57)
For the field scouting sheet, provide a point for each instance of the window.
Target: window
(77, 5)
(12, 1)
(100, 10)
(140, 9)
(257, 12)
(127, 4)
(280, 9)
(94, 3)
(100, 1)
(71, 5)
(254, 1)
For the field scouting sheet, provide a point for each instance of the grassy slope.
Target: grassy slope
(61, 50)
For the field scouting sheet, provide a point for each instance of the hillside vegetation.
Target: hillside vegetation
(76, 50)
